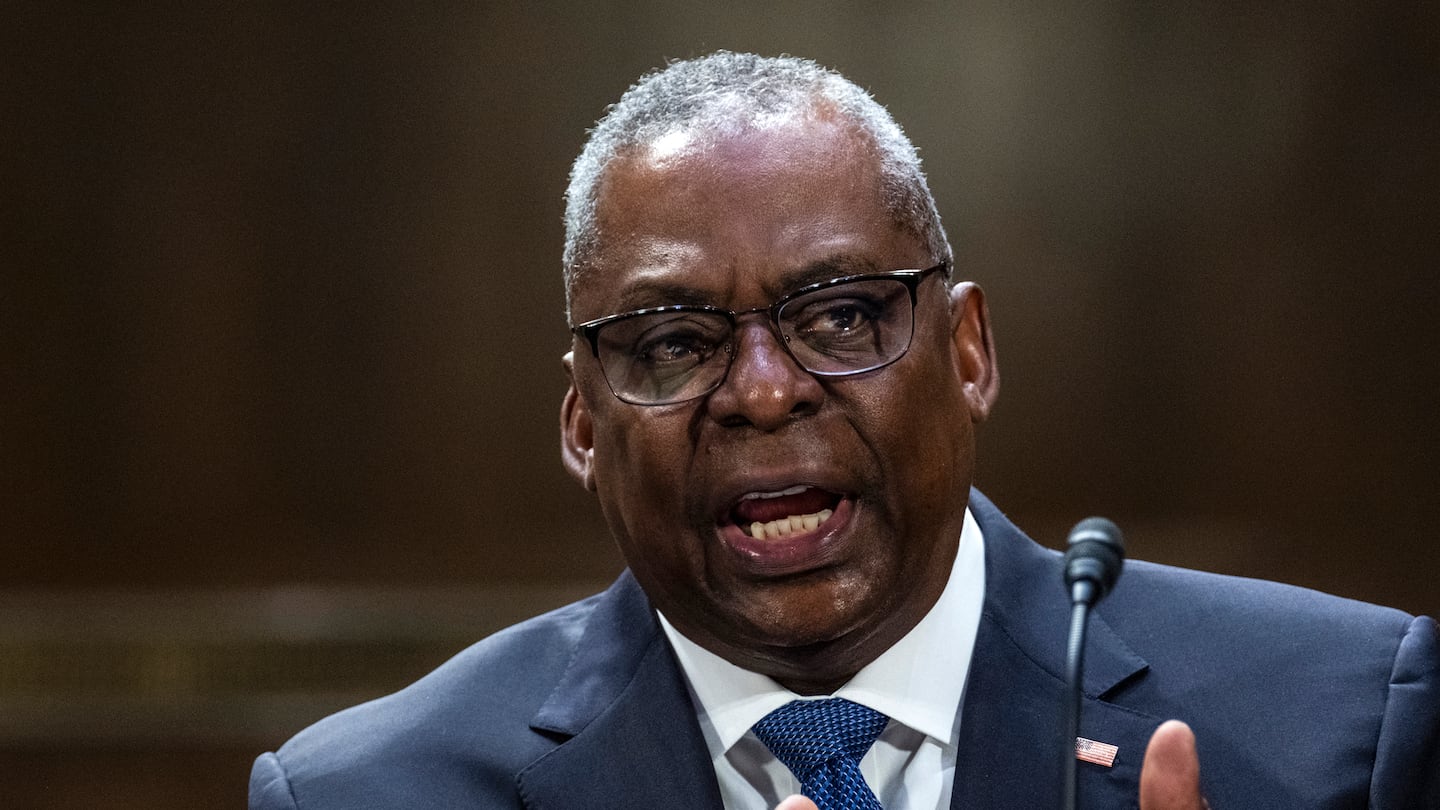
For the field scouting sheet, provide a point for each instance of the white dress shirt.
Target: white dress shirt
(918, 683)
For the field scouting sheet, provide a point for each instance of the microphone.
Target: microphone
(1094, 555)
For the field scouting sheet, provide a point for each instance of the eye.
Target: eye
(676, 342)
(837, 318)
(671, 349)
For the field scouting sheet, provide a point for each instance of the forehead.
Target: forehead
(739, 218)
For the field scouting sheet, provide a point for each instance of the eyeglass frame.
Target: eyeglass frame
(911, 278)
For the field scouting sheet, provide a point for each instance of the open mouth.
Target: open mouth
(780, 514)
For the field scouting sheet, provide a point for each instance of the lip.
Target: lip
(745, 478)
(791, 555)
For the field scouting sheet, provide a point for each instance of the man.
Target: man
(774, 391)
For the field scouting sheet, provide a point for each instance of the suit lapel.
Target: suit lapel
(627, 727)
(1009, 749)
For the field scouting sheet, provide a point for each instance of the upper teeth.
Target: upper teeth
(784, 527)
(795, 490)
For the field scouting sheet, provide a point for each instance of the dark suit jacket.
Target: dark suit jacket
(1298, 700)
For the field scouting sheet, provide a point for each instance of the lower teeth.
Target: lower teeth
(785, 527)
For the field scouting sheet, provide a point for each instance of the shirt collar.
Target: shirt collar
(918, 682)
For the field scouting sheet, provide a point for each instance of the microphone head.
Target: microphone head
(1095, 553)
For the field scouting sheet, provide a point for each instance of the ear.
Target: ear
(974, 348)
(577, 434)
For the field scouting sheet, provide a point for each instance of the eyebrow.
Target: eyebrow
(659, 292)
(836, 266)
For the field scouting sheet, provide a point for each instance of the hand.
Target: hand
(796, 802)
(1170, 776)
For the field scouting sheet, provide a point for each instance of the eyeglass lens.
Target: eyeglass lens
(674, 355)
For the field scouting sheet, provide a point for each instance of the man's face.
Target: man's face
(887, 454)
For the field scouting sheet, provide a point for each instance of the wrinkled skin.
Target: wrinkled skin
(738, 222)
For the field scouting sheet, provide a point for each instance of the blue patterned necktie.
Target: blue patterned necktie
(822, 743)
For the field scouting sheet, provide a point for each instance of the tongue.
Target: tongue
(765, 510)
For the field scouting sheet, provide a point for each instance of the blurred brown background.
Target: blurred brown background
(280, 322)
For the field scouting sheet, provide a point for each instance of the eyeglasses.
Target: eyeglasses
(848, 325)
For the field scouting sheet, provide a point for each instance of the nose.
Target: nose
(765, 386)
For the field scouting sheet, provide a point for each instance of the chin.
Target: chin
(805, 632)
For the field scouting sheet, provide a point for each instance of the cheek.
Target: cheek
(640, 460)
(930, 439)
(633, 444)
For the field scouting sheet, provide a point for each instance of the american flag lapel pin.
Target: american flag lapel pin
(1094, 751)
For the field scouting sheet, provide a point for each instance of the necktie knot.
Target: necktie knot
(822, 743)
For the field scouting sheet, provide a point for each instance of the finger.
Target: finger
(1170, 777)
(796, 802)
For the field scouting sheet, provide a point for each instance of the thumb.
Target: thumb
(1170, 777)
(796, 802)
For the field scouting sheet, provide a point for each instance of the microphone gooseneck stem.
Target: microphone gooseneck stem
(1074, 676)
(1094, 556)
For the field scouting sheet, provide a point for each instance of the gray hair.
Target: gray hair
(724, 92)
